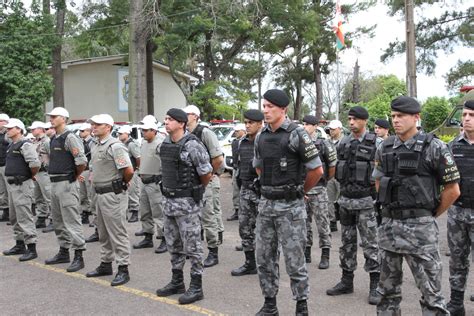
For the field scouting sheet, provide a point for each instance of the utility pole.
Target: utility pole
(410, 48)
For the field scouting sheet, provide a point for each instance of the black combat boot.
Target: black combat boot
(456, 304)
(269, 307)
(18, 249)
(105, 268)
(5, 215)
(346, 286)
(234, 216)
(94, 237)
(324, 263)
(147, 242)
(78, 261)
(249, 267)
(49, 228)
(212, 258)
(121, 277)
(333, 226)
(133, 216)
(30, 253)
(374, 296)
(162, 247)
(61, 257)
(85, 217)
(220, 238)
(301, 308)
(307, 254)
(176, 285)
(194, 292)
(40, 222)
(140, 233)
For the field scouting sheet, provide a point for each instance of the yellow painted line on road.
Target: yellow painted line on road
(130, 290)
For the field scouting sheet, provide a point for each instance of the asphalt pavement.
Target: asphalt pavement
(33, 288)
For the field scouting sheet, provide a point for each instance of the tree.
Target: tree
(434, 112)
(56, 69)
(25, 83)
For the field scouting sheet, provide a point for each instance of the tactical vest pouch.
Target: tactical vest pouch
(361, 171)
(118, 186)
(341, 170)
(384, 191)
(408, 163)
(364, 152)
(388, 163)
(198, 193)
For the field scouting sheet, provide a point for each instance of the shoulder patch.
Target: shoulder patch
(448, 159)
(306, 138)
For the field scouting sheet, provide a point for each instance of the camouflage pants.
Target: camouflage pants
(333, 195)
(183, 238)
(290, 233)
(426, 269)
(460, 239)
(317, 205)
(363, 220)
(248, 218)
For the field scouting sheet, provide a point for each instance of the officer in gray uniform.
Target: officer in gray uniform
(4, 143)
(212, 214)
(42, 190)
(461, 214)
(282, 152)
(85, 187)
(411, 167)
(239, 133)
(355, 160)
(336, 133)
(317, 202)
(186, 171)
(245, 176)
(66, 163)
(151, 212)
(49, 131)
(22, 164)
(135, 185)
(112, 171)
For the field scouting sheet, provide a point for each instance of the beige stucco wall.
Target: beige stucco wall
(91, 89)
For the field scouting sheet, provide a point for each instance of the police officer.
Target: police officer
(212, 214)
(42, 190)
(85, 187)
(249, 198)
(411, 167)
(50, 132)
(336, 133)
(151, 212)
(461, 214)
(22, 164)
(4, 143)
(186, 171)
(282, 151)
(317, 202)
(135, 185)
(112, 171)
(355, 158)
(382, 128)
(67, 162)
(239, 133)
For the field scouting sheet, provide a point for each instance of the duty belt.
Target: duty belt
(288, 193)
(17, 180)
(104, 190)
(152, 179)
(405, 214)
(69, 178)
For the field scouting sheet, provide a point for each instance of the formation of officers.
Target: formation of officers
(389, 190)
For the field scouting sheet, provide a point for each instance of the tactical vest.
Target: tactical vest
(3, 148)
(176, 173)
(355, 165)
(319, 143)
(61, 161)
(87, 149)
(15, 162)
(464, 157)
(105, 170)
(235, 154)
(245, 155)
(408, 181)
(279, 165)
(132, 159)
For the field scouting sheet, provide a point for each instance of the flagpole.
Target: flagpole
(338, 102)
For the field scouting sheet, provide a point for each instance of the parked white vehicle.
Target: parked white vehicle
(225, 135)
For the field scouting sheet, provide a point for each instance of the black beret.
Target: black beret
(359, 112)
(405, 104)
(277, 97)
(469, 104)
(310, 119)
(254, 115)
(382, 123)
(178, 114)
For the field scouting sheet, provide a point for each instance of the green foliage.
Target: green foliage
(462, 73)
(25, 83)
(447, 138)
(434, 112)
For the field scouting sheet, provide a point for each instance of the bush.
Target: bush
(434, 112)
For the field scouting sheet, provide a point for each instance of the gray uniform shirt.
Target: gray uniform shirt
(330, 158)
(43, 149)
(150, 163)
